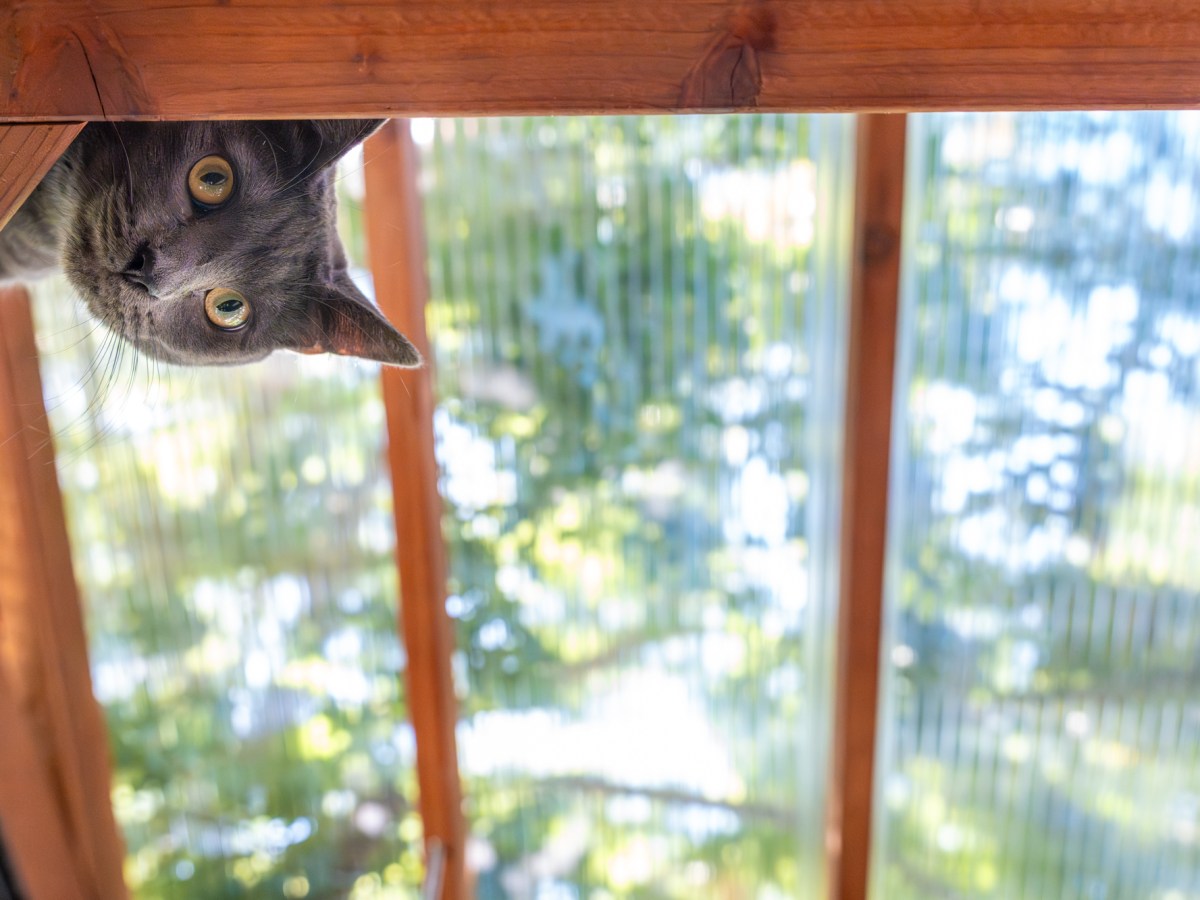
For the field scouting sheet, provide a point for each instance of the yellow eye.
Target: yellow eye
(211, 181)
(226, 308)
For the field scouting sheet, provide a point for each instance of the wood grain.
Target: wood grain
(871, 355)
(43, 646)
(395, 236)
(90, 59)
(26, 154)
(35, 835)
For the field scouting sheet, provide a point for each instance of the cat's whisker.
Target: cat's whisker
(99, 393)
(93, 362)
(271, 146)
(106, 385)
(343, 174)
(148, 384)
(55, 401)
(95, 366)
(96, 396)
(138, 357)
(133, 369)
(161, 379)
(309, 167)
(91, 329)
(114, 367)
(299, 176)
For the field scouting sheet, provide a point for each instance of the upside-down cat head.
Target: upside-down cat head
(209, 243)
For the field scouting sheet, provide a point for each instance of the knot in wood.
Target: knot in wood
(729, 74)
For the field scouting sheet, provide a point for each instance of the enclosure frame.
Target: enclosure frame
(66, 62)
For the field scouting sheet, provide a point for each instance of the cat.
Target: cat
(205, 243)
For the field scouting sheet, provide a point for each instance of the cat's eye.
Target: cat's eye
(211, 181)
(226, 308)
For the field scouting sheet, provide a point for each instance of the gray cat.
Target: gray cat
(205, 243)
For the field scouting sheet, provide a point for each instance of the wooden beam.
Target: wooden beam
(26, 154)
(92, 59)
(43, 647)
(395, 236)
(874, 304)
(35, 835)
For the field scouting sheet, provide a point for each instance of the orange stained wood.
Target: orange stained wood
(874, 304)
(395, 236)
(91, 59)
(26, 154)
(37, 837)
(57, 753)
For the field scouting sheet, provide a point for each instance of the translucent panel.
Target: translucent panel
(1043, 697)
(232, 536)
(638, 337)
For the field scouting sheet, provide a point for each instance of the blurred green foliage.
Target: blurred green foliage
(638, 340)
(1043, 711)
(637, 330)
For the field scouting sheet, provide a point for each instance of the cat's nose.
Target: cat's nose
(140, 270)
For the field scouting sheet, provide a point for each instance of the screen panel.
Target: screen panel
(1043, 701)
(638, 334)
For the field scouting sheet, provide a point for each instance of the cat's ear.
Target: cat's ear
(327, 140)
(343, 321)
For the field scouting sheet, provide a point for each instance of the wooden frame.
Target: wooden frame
(54, 768)
(395, 233)
(69, 61)
(870, 373)
(26, 154)
(90, 59)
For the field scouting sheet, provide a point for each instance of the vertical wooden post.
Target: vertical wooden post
(55, 781)
(395, 237)
(36, 836)
(26, 154)
(874, 304)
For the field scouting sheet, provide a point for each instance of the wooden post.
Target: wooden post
(34, 832)
(395, 236)
(55, 781)
(874, 304)
(26, 154)
(203, 59)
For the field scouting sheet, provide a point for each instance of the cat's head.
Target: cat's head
(209, 243)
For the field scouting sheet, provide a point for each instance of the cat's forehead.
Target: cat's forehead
(165, 140)
(262, 150)
(253, 144)
(275, 199)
